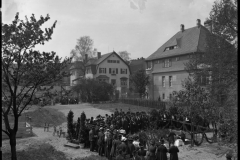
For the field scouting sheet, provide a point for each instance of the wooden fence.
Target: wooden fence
(24, 130)
(144, 103)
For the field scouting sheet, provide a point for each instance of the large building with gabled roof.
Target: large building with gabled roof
(166, 65)
(110, 68)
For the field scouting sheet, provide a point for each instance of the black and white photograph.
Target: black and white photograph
(119, 80)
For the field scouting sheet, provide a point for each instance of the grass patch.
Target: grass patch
(43, 152)
(112, 106)
(46, 115)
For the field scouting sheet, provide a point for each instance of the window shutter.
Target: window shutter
(110, 70)
(163, 63)
(99, 70)
(105, 70)
(170, 62)
(126, 71)
(116, 70)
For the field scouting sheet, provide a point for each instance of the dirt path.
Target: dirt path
(204, 152)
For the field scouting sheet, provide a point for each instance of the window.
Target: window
(163, 81)
(163, 96)
(170, 96)
(170, 81)
(123, 82)
(149, 65)
(113, 82)
(177, 58)
(113, 61)
(102, 70)
(167, 63)
(113, 70)
(171, 48)
(123, 71)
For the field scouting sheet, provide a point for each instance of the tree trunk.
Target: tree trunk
(13, 145)
(192, 135)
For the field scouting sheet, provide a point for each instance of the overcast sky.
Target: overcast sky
(137, 26)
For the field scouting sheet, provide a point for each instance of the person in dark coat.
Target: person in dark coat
(173, 150)
(151, 151)
(171, 137)
(116, 144)
(161, 152)
(120, 156)
(131, 147)
(142, 153)
(123, 147)
(108, 146)
(91, 134)
(100, 142)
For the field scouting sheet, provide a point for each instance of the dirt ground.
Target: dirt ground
(204, 152)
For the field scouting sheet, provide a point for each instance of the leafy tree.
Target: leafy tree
(140, 80)
(24, 70)
(196, 102)
(125, 56)
(82, 133)
(70, 125)
(225, 19)
(219, 62)
(83, 47)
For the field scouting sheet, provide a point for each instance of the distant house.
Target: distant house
(76, 72)
(166, 65)
(110, 68)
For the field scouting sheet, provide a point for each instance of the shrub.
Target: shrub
(70, 126)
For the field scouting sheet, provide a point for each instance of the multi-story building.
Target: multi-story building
(110, 68)
(166, 66)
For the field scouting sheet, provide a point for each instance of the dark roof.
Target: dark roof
(95, 61)
(191, 40)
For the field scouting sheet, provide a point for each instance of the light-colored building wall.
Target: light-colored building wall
(176, 71)
(159, 89)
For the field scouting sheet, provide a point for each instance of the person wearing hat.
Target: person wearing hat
(100, 142)
(136, 141)
(123, 146)
(116, 144)
(171, 137)
(108, 145)
(131, 147)
(91, 134)
(161, 152)
(173, 150)
(151, 151)
(142, 153)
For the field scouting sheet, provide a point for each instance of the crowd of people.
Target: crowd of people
(119, 136)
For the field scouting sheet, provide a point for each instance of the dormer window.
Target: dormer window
(171, 47)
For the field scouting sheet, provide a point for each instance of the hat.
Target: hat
(101, 128)
(122, 131)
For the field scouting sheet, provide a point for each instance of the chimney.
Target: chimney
(86, 57)
(198, 23)
(208, 25)
(182, 27)
(99, 55)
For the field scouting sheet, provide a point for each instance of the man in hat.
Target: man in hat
(100, 142)
(161, 151)
(123, 147)
(91, 134)
(120, 156)
(173, 150)
(171, 137)
(131, 147)
(142, 153)
(151, 151)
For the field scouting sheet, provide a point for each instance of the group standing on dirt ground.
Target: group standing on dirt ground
(123, 140)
